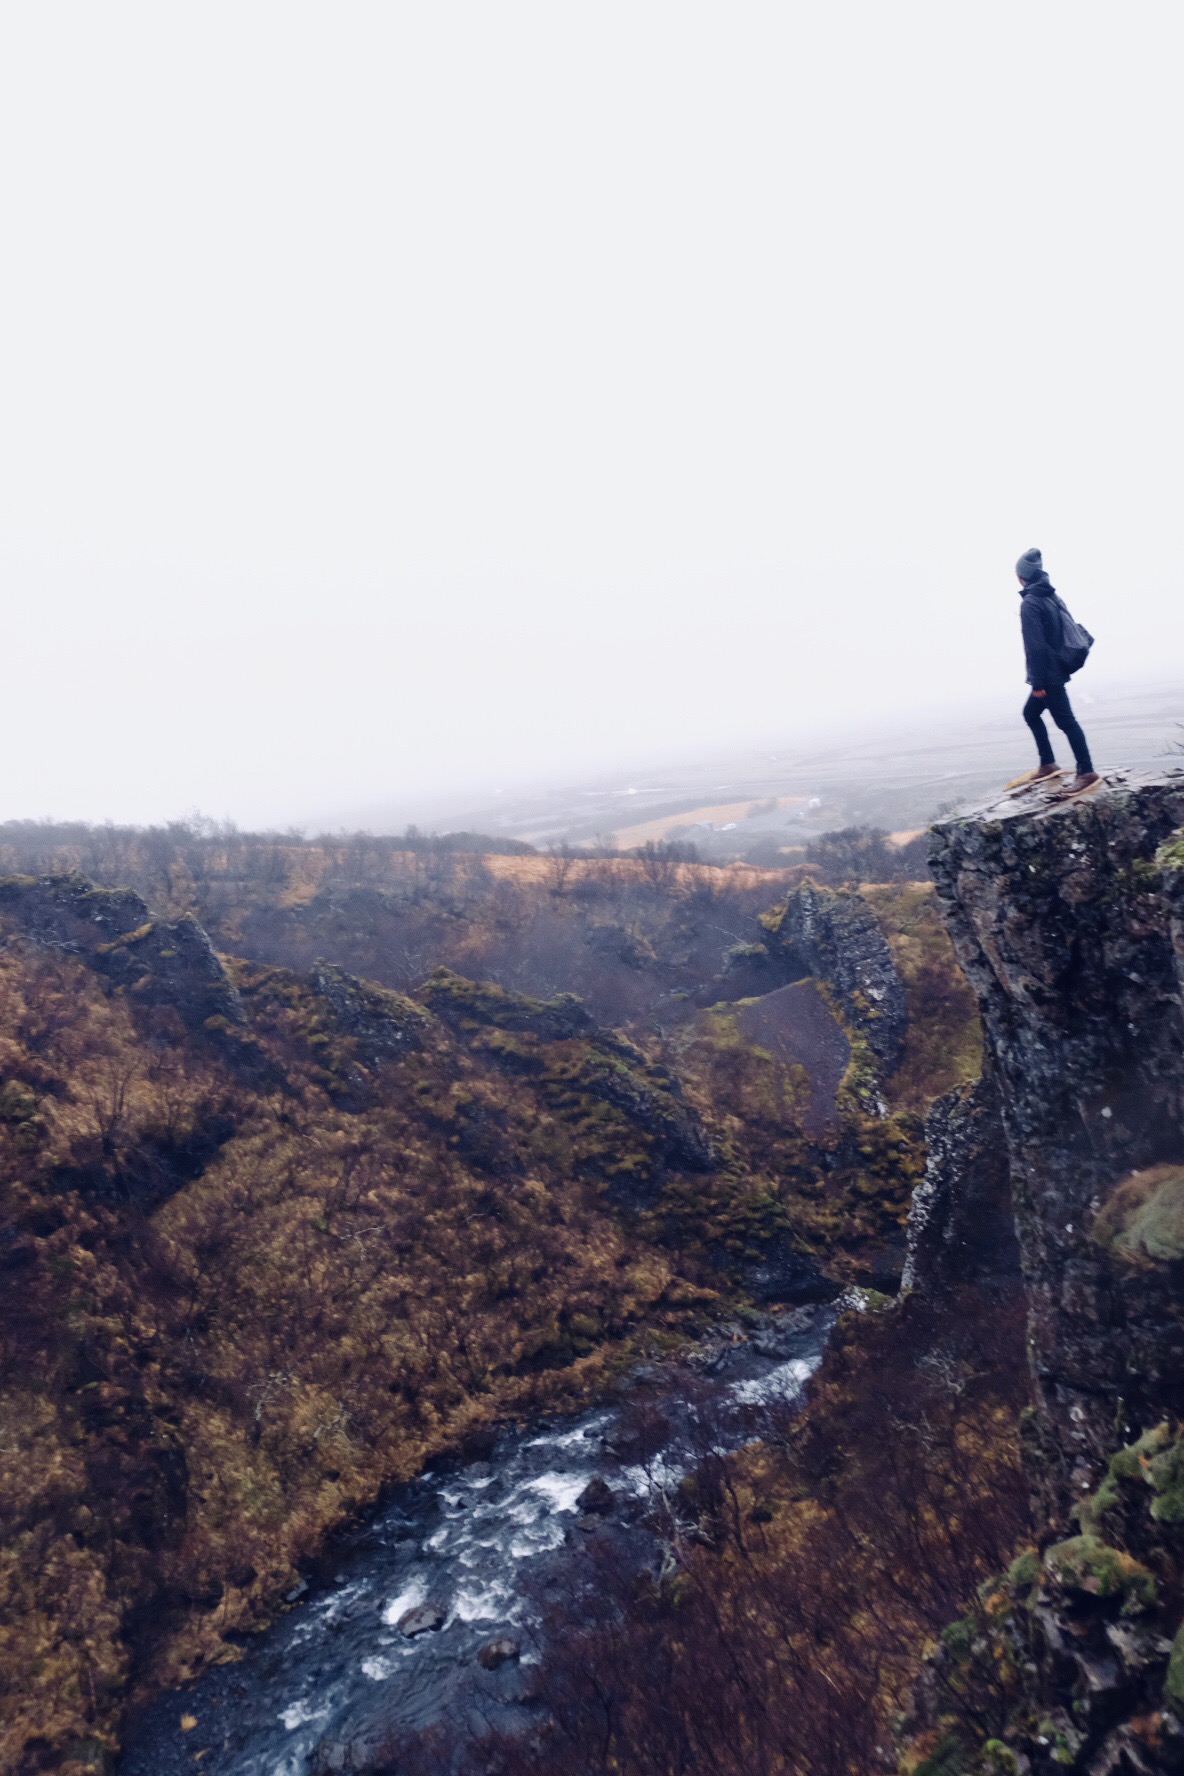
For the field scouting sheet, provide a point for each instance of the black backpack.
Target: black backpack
(1072, 647)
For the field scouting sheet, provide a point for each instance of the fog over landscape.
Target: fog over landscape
(430, 402)
(591, 1111)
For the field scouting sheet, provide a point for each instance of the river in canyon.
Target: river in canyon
(431, 1615)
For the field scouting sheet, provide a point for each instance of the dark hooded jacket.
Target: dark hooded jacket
(1041, 625)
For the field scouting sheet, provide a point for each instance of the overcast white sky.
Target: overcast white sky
(407, 396)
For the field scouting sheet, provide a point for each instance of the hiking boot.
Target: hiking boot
(1084, 780)
(1020, 786)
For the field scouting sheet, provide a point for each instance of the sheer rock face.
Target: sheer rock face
(1069, 922)
(173, 962)
(836, 937)
(961, 1226)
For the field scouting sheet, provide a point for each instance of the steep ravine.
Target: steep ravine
(427, 1619)
(279, 1240)
(1067, 920)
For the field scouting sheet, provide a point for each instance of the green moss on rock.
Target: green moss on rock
(1143, 1218)
(1173, 1683)
(1085, 1564)
(1023, 1575)
(466, 1004)
(1155, 1460)
(1170, 855)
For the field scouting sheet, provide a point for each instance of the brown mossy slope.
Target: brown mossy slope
(231, 1311)
(270, 1238)
(942, 1045)
(262, 1261)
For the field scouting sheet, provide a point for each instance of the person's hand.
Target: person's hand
(1039, 693)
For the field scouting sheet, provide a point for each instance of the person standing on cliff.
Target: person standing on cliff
(1040, 620)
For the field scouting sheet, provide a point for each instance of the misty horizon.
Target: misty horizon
(438, 401)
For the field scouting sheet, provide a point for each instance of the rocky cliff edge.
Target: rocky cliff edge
(1068, 918)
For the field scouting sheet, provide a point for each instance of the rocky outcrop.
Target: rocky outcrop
(158, 961)
(961, 1228)
(172, 963)
(835, 936)
(1065, 918)
(68, 912)
(651, 1098)
(1069, 921)
(464, 1004)
(604, 1067)
(384, 1025)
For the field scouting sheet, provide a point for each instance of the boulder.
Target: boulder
(496, 1653)
(598, 1498)
(425, 1618)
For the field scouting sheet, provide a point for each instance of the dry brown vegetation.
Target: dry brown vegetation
(232, 1313)
(943, 1043)
(255, 1270)
(806, 1573)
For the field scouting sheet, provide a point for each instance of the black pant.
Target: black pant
(1056, 701)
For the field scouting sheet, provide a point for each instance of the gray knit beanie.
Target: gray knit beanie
(1030, 565)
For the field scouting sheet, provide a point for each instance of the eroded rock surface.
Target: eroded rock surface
(385, 1025)
(835, 936)
(159, 961)
(1066, 920)
(961, 1227)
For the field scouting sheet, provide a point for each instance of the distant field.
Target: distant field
(652, 832)
(546, 870)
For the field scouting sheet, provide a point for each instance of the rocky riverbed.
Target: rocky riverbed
(431, 1615)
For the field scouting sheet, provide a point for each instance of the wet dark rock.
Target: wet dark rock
(1066, 923)
(961, 1226)
(653, 1100)
(834, 935)
(1069, 921)
(751, 970)
(781, 1336)
(783, 1275)
(69, 912)
(597, 1498)
(173, 963)
(427, 1618)
(159, 961)
(498, 1652)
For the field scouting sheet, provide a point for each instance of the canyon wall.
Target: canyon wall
(1068, 918)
